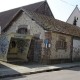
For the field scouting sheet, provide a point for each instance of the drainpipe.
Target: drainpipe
(0, 30)
(72, 49)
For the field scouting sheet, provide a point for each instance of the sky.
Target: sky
(61, 9)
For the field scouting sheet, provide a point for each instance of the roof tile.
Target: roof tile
(55, 25)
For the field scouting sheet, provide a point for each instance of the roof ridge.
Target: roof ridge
(67, 23)
(39, 6)
(22, 6)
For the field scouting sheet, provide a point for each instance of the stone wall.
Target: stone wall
(37, 31)
(33, 28)
(60, 53)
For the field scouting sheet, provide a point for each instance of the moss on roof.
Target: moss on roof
(52, 24)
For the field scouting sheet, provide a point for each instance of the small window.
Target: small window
(22, 30)
(75, 21)
(61, 43)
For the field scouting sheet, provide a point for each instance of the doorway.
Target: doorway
(35, 50)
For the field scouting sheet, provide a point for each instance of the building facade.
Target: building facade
(52, 41)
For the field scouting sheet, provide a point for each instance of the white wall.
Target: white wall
(75, 13)
(76, 49)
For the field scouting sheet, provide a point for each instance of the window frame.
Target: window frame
(24, 29)
(61, 44)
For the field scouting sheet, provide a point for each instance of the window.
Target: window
(61, 43)
(75, 21)
(22, 30)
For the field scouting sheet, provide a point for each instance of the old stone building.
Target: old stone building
(51, 42)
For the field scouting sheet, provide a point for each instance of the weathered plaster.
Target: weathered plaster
(4, 45)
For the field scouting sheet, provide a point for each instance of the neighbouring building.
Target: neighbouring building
(74, 18)
(52, 41)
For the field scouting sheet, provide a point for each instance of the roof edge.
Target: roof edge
(72, 12)
(12, 19)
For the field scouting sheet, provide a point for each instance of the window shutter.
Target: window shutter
(61, 45)
(65, 46)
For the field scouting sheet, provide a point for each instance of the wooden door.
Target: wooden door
(37, 46)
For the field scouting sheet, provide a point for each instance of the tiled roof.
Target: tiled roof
(55, 25)
(6, 16)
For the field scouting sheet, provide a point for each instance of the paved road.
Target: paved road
(68, 74)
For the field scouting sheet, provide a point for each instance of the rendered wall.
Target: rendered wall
(21, 49)
(22, 46)
(4, 45)
(12, 52)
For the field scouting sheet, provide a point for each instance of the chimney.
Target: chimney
(76, 5)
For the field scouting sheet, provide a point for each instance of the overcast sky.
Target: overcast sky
(61, 9)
